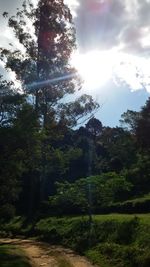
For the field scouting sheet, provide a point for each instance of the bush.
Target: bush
(143, 236)
(71, 232)
(126, 231)
(111, 254)
(144, 259)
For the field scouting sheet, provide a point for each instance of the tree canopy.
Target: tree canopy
(44, 159)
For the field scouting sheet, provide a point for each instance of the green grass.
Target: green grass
(10, 256)
(144, 218)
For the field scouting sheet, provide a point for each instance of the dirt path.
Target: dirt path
(42, 254)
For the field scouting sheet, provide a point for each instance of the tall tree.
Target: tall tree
(143, 127)
(43, 65)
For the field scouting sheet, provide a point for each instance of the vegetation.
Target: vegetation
(48, 167)
(51, 166)
(11, 256)
(110, 240)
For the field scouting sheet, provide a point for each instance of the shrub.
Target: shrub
(111, 254)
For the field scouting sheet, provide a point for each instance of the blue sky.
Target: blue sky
(117, 102)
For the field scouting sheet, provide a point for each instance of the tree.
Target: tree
(94, 127)
(139, 124)
(70, 198)
(9, 102)
(20, 158)
(18, 150)
(47, 48)
(43, 59)
(143, 127)
(119, 150)
(129, 119)
(94, 192)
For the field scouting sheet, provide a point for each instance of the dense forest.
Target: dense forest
(58, 170)
(56, 157)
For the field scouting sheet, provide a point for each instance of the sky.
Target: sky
(120, 30)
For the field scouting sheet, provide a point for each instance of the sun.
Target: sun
(95, 68)
(98, 67)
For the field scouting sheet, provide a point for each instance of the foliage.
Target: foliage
(97, 191)
(143, 127)
(30, 119)
(129, 119)
(50, 168)
(10, 256)
(45, 55)
(94, 127)
(109, 244)
(109, 254)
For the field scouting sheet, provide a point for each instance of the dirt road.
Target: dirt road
(42, 254)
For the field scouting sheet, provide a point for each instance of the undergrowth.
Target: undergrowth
(110, 240)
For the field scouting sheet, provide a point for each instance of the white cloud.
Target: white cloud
(108, 23)
(123, 25)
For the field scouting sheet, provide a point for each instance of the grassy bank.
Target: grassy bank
(111, 240)
(10, 256)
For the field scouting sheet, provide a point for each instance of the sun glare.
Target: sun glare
(94, 67)
(98, 67)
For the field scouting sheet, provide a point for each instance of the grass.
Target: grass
(114, 240)
(10, 256)
(144, 218)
